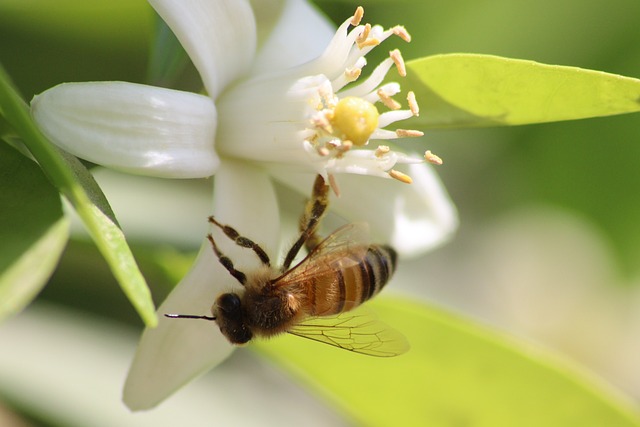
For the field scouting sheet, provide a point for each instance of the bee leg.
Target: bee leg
(242, 241)
(226, 262)
(313, 213)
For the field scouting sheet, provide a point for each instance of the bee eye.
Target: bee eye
(229, 304)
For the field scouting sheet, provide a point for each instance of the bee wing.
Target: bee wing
(359, 331)
(345, 247)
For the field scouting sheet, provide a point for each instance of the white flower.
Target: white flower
(279, 111)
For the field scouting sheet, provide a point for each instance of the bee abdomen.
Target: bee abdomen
(351, 286)
(376, 270)
(363, 281)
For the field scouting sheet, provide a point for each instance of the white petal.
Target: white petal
(413, 218)
(218, 35)
(301, 34)
(178, 350)
(132, 127)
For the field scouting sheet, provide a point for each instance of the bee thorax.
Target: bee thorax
(272, 311)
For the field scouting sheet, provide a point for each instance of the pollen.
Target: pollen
(357, 16)
(413, 104)
(382, 150)
(361, 40)
(352, 74)
(404, 133)
(396, 56)
(401, 32)
(389, 102)
(402, 177)
(432, 158)
(355, 119)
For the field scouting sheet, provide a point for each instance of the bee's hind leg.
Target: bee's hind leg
(313, 213)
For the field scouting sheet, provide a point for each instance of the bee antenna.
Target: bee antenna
(189, 316)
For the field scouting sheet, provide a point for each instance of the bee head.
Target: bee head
(229, 315)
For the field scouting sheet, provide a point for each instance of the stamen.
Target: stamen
(338, 53)
(400, 176)
(362, 38)
(334, 185)
(396, 56)
(380, 134)
(344, 147)
(349, 75)
(371, 41)
(404, 133)
(393, 116)
(432, 158)
(389, 102)
(382, 150)
(324, 151)
(372, 82)
(401, 32)
(322, 121)
(357, 16)
(377, 34)
(352, 74)
(413, 104)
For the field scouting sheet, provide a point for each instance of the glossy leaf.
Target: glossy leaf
(456, 373)
(467, 90)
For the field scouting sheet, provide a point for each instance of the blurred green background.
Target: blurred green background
(549, 242)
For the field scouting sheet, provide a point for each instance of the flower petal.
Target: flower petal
(413, 218)
(132, 127)
(178, 350)
(301, 34)
(218, 35)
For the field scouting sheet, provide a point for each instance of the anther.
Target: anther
(352, 74)
(401, 32)
(371, 41)
(408, 133)
(400, 176)
(396, 56)
(364, 35)
(389, 102)
(323, 122)
(382, 150)
(432, 158)
(345, 146)
(357, 16)
(413, 104)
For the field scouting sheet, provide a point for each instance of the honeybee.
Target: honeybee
(315, 298)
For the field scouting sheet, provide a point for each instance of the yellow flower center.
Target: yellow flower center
(354, 119)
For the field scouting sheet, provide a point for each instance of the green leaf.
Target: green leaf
(33, 230)
(77, 185)
(455, 374)
(467, 90)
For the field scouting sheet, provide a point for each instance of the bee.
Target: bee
(314, 299)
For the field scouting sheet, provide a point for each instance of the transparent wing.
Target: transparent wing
(345, 247)
(359, 331)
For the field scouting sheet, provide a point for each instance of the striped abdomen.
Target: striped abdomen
(348, 287)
